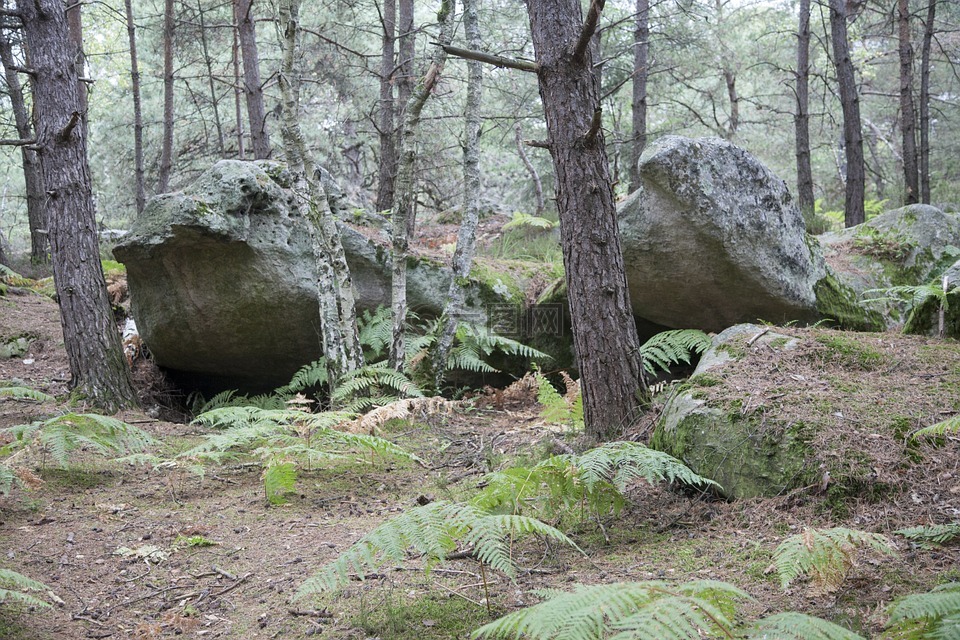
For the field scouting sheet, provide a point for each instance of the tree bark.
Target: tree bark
(850, 104)
(404, 195)
(32, 173)
(338, 322)
(74, 14)
(214, 101)
(911, 179)
(97, 366)
(388, 139)
(259, 137)
(801, 120)
(467, 236)
(238, 87)
(924, 170)
(166, 150)
(137, 109)
(641, 54)
(604, 333)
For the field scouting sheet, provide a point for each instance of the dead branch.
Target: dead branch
(489, 58)
(591, 134)
(71, 125)
(589, 28)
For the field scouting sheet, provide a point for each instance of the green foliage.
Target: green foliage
(433, 531)
(307, 377)
(672, 347)
(826, 555)
(14, 587)
(798, 626)
(63, 435)
(521, 220)
(914, 297)
(372, 386)
(948, 426)
(279, 480)
(933, 615)
(597, 478)
(230, 398)
(881, 245)
(931, 535)
(558, 409)
(475, 343)
(25, 393)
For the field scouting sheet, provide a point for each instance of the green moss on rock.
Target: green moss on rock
(838, 303)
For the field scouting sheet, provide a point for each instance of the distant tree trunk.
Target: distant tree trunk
(467, 237)
(214, 100)
(166, 150)
(404, 195)
(911, 180)
(98, 368)
(238, 87)
(532, 170)
(925, 102)
(733, 125)
(850, 104)
(406, 42)
(137, 109)
(259, 138)
(338, 322)
(801, 120)
(604, 333)
(641, 54)
(388, 139)
(32, 173)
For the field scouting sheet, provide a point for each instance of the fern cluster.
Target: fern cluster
(15, 588)
(826, 555)
(560, 409)
(597, 479)
(374, 385)
(932, 535)
(934, 615)
(433, 531)
(25, 393)
(668, 348)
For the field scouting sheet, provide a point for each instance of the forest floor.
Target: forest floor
(122, 547)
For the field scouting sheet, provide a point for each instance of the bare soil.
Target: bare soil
(70, 531)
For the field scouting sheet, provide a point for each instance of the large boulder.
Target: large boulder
(223, 285)
(713, 238)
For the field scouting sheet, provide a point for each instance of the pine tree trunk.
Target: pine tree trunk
(911, 180)
(850, 103)
(166, 150)
(467, 236)
(238, 87)
(259, 138)
(32, 174)
(388, 137)
(641, 54)
(137, 109)
(214, 100)
(925, 102)
(801, 120)
(98, 368)
(341, 344)
(604, 333)
(404, 195)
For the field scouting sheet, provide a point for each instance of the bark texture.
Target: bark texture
(387, 133)
(166, 149)
(641, 55)
(604, 334)
(924, 169)
(97, 366)
(137, 109)
(252, 87)
(850, 103)
(908, 123)
(208, 62)
(801, 120)
(237, 84)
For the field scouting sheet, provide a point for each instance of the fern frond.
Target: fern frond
(278, 481)
(372, 380)
(13, 588)
(948, 426)
(933, 534)
(621, 463)
(672, 347)
(7, 478)
(825, 554)
(308, 376)
(467, 357)
(940, 604)
(25, 393)
(798, 626)
(376, 331)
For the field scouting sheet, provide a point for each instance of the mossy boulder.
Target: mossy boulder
(924, 318)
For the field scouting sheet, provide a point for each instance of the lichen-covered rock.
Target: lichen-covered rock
(713, 238)
(223, 285)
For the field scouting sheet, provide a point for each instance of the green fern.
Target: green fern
(434, 531)
(7, 480)
(372, 386)
(672, 347)
(307, 377)
(25, 393)
(375, 331)
(14, 587)
(798, 626)
(230, 398)
(948, 426)
(934, 615)
(825, 554)
(558, 409)
(279, 480)
(931, 535)
(62, 435)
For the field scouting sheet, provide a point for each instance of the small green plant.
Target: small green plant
(560, 409)
(826, 555)
(193, 541)
(916, 299)
(943, 428)
(884, 246)
(922, 616)
(25, 393)
(931, 535)
(15, 588)
(672, 347)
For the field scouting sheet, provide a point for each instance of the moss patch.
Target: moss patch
(837, 303)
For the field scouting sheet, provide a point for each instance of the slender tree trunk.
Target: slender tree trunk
(259, 138)
(911, 179)
(532, 170)
(467, 237)
(925, 102)
(166, 150)
(214, 100)
(733, 125)
(641, 71)
(850, 104)
(75, 29)
(801, 120)
(32, 173)
(341, 345)
(238, 87)
(137, 109)
(388, 139)
(98, 368)
(406, 44)
(604, 334)
(404, 195)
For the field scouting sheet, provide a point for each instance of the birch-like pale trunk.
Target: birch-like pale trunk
(467, 236)
(341, 344)
(641, 72)
(137, 109)
(404, 196)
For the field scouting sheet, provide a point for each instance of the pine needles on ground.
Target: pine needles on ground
(826, 555)
(14, 588)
